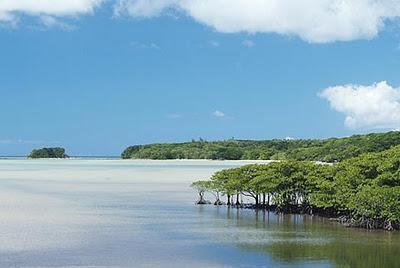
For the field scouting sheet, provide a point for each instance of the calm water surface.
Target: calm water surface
(114, 213)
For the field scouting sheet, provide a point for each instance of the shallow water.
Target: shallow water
(114, 213)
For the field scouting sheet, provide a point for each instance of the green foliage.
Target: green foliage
(363, 181)
(377, 203)
(55, 152)
(202, 186)
(364, 187)
(329, 150)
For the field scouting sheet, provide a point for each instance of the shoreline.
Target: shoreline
(106, 158)
(344, 219)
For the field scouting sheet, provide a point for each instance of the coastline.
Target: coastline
(111, 158)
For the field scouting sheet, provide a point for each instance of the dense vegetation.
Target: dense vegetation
(362, 191)
(329, 150)
(55, 152)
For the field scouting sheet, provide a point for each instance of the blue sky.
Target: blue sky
(96, 80)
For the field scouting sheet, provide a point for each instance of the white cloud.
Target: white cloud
(142, 8)
(375, 107)
(248, 43)
(214, 43)
(312, 20)
(154, 46)
(10, 9)
(52, 22)
(6, 17)
(218, 113)
(317, 21)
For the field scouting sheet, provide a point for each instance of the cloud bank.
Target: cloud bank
(373, 107)
(318, 21)
(11, 9)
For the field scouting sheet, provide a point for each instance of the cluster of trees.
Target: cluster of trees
(55, 152)
(329, 150)
(363, 191)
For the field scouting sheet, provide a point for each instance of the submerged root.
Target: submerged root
(369, 223)
(219, 203)
(202, 201)
(347, 220)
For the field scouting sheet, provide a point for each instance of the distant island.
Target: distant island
(55, 152)
(328, 150)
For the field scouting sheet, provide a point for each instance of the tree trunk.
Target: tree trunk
(218, 201)
(264, 199)
(229, 200)
(237, 200)
(201, 198)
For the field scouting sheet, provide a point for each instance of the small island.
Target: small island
(55, 152)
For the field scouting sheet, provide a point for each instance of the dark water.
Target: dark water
(113, 213)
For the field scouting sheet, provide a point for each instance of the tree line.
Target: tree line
(328, 150)
(362, 191)
(55, 152)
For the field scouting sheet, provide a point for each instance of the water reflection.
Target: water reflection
(306, 240)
